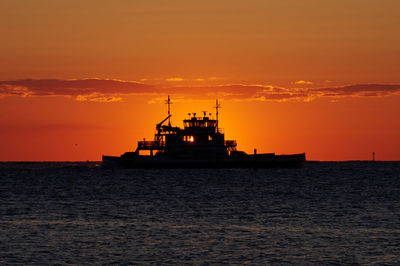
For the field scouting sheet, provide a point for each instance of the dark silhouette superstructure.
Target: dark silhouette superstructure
(200, 143)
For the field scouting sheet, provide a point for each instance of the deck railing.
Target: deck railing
(160, 145)
(151, 145)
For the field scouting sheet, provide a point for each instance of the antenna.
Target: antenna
(217, 106)
(205, 113)
(168, 101)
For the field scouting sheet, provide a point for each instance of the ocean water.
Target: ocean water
(79, 213)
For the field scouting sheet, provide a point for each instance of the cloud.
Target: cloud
(174, 79)
(100, 90)
(360, 90)
(108, 90)
(303, 82)
(260, 92)
(98, 97)
(10, 90)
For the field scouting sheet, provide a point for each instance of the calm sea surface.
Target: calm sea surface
(78, 213)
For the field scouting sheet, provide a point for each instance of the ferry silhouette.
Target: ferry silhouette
(199, 144)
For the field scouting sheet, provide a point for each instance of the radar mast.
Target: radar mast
(168, 101)
(217, 106)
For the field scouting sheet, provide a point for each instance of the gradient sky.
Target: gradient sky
(79, 79)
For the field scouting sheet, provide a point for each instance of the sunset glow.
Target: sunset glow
(80, 79)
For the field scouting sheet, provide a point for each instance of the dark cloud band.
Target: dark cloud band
(109, 90)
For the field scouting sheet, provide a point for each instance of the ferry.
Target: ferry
(199, 144)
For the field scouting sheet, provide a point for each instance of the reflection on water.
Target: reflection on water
(74, 213)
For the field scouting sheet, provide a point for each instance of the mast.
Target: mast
(217, 106)
(169, 110)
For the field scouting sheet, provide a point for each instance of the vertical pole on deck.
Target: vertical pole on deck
(217, 106)
(169, 110)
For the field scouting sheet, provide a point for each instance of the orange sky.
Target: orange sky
(79, 79)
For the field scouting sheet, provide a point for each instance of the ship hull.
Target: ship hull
(248, 161)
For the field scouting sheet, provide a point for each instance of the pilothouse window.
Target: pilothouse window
(188, 138)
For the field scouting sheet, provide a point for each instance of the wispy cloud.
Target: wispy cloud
(98, 97)
(303, 82)
(108, 90)
(259, 92)
(98, 90)
(361, 90)
(174, 79)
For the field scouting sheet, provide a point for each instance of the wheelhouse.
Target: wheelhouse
(199, 137)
